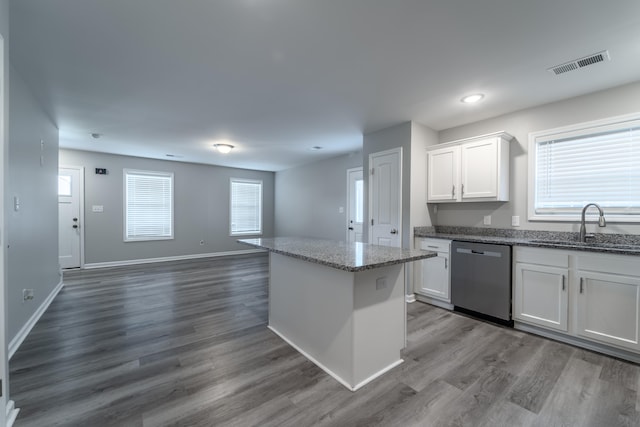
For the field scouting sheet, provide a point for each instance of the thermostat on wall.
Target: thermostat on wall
(101, 171)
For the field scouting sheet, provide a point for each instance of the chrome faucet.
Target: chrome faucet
(601, 221)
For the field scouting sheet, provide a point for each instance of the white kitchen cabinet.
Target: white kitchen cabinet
(541, 287)
(587, 295)
(469, 170)
(540, 295)
(434, 279)
(443, 182)
(608, 300)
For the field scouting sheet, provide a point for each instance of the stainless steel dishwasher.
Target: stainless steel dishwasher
(481, 280)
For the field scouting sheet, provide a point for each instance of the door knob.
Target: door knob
(351, 228)
(75, 225)
(75, 219)
(394, 231)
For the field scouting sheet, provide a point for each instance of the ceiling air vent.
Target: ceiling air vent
(580, 63)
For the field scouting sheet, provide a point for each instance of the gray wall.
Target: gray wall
(32, 255)
(308, 198)
(387, 139)
(201, 207)
(4, 99)
(598, 105)
(414, 138)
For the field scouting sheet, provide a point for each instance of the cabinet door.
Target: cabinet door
(608, 308)
(442, 174)
(541, 295)
(435, 277)
(479, 164)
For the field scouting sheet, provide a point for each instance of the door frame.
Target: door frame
(80, 170)
(397, 150)
(349, 213)
(6, 405)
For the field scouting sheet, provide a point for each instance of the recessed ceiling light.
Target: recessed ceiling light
(223, 148)
(95, 135)
(471, 99)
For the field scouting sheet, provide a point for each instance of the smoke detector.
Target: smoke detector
(580, 63)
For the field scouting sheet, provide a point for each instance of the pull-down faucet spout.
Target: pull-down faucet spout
(601, 221)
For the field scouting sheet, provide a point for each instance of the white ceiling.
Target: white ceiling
(277, 77)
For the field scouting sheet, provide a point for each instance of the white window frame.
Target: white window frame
(248, 181)
(170, 175)
(585, 128)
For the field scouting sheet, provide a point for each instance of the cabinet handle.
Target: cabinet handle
(445, 263)
(462, 190)
(453, 191)
(563, 287)
(581, 284)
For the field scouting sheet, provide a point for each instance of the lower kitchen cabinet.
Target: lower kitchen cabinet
(609, 308)
(589, 295)
(540, 295)
(432, 277)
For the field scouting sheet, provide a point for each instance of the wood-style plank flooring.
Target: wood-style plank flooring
(185, 344)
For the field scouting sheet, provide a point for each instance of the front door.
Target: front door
(385, 198)
(69, 226)
(355, 204)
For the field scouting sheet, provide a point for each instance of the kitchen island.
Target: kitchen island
(339, 304)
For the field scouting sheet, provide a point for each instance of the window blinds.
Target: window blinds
(599, 167)
(246, 207)
(148, 205)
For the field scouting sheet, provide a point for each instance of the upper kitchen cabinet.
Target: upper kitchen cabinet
(469, 170)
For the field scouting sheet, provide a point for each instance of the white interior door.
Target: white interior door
(385, 198)
(355, 204)
(69, 220)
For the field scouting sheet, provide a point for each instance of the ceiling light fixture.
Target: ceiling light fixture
(471, 99)
(223, 148)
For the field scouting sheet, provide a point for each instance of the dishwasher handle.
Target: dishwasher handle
(481, 253)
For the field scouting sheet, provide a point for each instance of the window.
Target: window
(246, 207)
(64, 185)
(148, 205)
(593, 162)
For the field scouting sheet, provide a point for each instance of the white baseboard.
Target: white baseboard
(409, 298)
(15, 343)
(168, 258)
(12, 412)
(578, 342)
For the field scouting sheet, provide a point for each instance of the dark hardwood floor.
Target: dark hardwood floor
(185, 344)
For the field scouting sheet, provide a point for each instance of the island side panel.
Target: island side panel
(379, 321)
(311, 306)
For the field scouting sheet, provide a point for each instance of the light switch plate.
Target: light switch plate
(487, 220)
(97, 208)
(515, 221)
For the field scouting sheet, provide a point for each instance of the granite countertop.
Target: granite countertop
(352, 257)
(624, 244)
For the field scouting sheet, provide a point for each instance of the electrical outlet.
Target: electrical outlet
(515, 221)
(27, 295)
(487, 220)
(381, 283)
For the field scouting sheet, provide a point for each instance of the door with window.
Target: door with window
(69, 221)
(355, 204)
(385, 200)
